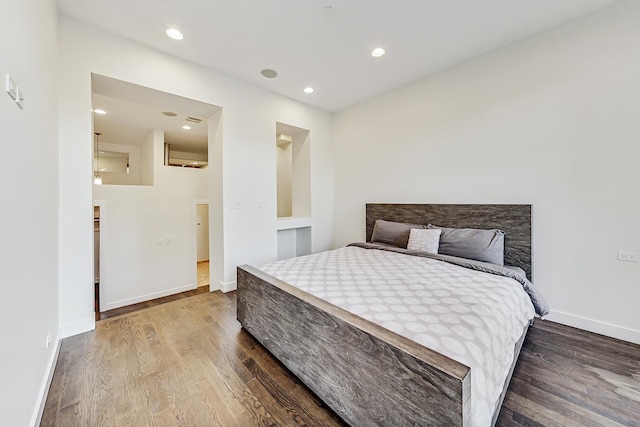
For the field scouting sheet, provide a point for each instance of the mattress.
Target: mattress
(471, 316)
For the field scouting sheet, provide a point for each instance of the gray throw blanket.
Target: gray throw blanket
(539, 303)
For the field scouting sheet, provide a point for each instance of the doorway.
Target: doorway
(202, 243)
(147, 250)
(96, 260)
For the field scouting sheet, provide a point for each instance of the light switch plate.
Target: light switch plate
(11, 87)
(19, 98)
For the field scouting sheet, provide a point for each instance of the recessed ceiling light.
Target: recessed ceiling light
(308, 89)
(186, 127)
(269, 73)
(99, 111)
(377, 52)
(169, 113)
(175, 33)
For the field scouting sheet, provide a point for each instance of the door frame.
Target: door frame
(194, 245)
(102, 278)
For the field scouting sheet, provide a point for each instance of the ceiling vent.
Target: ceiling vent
(193, 119)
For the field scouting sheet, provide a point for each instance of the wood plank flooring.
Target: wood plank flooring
(188, 363)
(203, 286)
(203, 273)
(569, 377)
(151, 303)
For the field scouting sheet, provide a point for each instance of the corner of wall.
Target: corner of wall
(77, 327)
(46, 384)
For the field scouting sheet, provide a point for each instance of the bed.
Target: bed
(365, 371)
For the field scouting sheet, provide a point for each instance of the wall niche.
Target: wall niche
(293, 165)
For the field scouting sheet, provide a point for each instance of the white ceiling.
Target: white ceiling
(326, 43)
(134, 111)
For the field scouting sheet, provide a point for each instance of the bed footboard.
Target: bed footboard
(365, 373)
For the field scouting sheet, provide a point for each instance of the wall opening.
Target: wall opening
(202, 243)
(125, 119)
(293, 166)
(150, 250)
(96, 260)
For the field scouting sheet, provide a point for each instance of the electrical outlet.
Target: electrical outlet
(627, 256)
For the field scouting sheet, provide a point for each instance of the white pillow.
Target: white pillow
(424, 240)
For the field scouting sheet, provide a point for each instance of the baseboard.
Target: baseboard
(228, 287)
(603, 328)
(147, 297)
(46, 383)
(75, 328)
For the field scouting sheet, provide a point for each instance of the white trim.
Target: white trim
(228, 287)
(102, 262)
(78, 327)
(603, 328)
(147, 297)
(211, 287)
(287, 223)
(36, 418)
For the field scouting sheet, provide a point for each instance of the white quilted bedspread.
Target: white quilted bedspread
(471, 316)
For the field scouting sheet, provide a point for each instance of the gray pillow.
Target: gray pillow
(392, 233)
(472, 243)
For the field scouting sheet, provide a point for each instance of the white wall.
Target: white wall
(284, 167)
(553, 121)
(28, 209)
(148, 238)
(287, 244)
(147, 167)
(301, 192)
(119, 178)
(183, 155)
(245, 148)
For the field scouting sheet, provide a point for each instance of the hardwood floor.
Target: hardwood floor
(188, 362)
(569, 377)
(151, 303)
(203, 273)
(203, 286)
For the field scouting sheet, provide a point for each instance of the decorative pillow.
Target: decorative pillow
(392, 233)
(425, 240)
(472, 243)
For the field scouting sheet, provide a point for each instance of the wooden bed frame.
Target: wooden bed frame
(365, 373)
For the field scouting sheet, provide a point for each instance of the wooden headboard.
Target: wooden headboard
(514, 220)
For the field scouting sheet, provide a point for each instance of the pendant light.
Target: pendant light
(97, 179)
